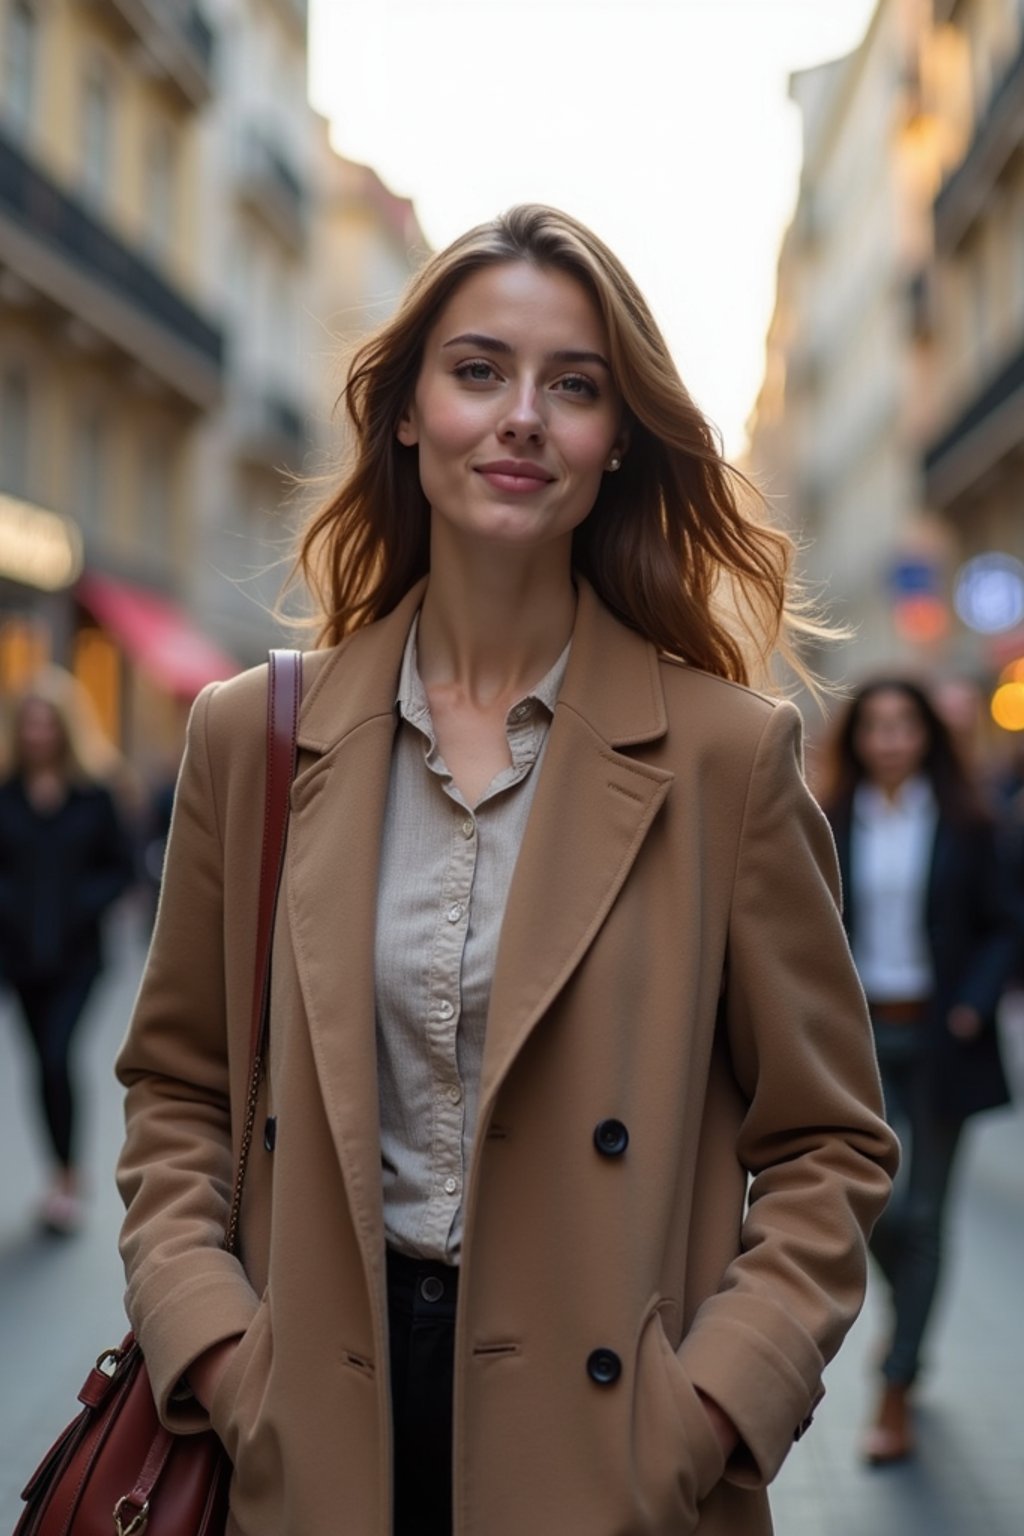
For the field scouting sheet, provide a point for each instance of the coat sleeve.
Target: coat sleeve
(819, 1155)
(185, 1293)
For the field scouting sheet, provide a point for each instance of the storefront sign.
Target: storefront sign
(38, 548)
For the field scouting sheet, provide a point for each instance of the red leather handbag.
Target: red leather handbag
(115, 1470)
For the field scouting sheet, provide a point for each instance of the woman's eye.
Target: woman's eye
(578, 384)
(477, 371)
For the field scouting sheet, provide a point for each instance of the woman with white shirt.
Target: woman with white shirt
(559, 977)
(934, 935)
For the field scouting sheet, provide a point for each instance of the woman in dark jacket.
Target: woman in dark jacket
(934, 934)
(64, 858)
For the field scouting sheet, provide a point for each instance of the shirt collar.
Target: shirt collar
(915, 798)
(414, 706)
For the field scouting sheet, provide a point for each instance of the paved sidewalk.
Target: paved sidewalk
(968, 1477)
(60, 1303)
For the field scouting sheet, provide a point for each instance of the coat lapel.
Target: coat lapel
(592, 809)
(346, 732)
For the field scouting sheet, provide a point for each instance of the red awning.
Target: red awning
(157, 634)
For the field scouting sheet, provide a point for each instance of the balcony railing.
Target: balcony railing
(40, 209)
(997, 136)
(269, 184)
(979, 413)
(269, 430)
(178, 41)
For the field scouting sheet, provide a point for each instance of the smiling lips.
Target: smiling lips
(516, 475)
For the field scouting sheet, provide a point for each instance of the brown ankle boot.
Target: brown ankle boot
(891, 1435)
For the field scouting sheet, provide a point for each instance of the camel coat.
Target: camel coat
(672, 958)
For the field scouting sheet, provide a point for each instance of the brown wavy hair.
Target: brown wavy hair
(677, 544)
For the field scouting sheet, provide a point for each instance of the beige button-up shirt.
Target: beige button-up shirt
(444, 880)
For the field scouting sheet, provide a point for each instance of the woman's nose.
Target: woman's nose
(524, 420)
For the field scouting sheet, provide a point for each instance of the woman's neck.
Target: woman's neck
(493, 622)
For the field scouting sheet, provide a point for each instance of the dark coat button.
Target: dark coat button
(611, 1138)
(604, 1367)
(270, 1133)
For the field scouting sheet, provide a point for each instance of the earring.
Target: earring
(614, 462)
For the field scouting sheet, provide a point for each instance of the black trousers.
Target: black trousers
(908, 1241)
(421, 1318)
(51, 1007)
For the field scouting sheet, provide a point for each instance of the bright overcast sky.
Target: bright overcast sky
(664, 124)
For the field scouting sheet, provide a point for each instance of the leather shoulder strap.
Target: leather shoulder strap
(284, 694)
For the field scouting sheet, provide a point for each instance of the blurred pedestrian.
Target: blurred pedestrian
(934, 931)
(558, 967)
(156, 826)
(64, 859)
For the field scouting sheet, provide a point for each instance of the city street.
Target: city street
(60, 1304)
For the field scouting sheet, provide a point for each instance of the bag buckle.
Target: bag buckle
(109, 1361)
(136, 1523)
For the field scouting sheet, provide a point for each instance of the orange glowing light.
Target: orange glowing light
(1013, 672)
(923, 619)
(1008, 706)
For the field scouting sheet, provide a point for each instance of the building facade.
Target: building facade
(109, 348)
(835, 435)
(973, 448)
(177, 240)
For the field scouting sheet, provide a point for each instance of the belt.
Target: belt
(910, 1011)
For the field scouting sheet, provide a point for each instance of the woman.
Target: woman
(934, 938)
(64, 859)
(558, 966)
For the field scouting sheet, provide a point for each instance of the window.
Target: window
(97, 132)
(161, 190)
(155, 499)
(19, 72)
(89, 454)
(15, 425)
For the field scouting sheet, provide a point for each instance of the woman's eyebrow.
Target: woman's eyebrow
(492, 344)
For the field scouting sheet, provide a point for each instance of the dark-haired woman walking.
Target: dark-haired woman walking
(934, 935)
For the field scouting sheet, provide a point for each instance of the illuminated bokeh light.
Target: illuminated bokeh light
(922, 619)
(1008, 705)
(989, 593)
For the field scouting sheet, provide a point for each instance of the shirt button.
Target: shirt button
(455, 1093)
(520, 712)
(468, 828)
(451, 1186)
(445, 1009)
(455, 912)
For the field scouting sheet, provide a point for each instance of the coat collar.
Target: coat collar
(612, 680)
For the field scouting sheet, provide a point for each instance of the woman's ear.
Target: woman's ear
(407, 431)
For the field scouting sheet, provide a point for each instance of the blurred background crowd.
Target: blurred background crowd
(186, 259)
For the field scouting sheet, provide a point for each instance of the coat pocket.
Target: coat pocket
(677, 1457)
(241, 1386)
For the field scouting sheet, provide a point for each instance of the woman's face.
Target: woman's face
(891, 738)
(40, 735)
(515, 413)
